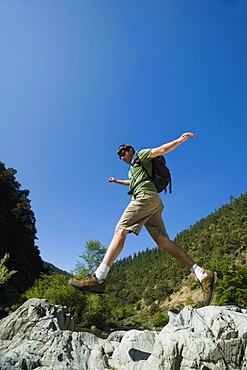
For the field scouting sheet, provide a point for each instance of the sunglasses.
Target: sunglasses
(122, 153)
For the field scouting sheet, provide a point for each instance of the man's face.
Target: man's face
(126, 156)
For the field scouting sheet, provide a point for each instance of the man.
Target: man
(144, 209)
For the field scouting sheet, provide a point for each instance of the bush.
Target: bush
(160, 319)
(129, 311)
(231, 284)
(192, 284)
(86, 309)
(153, 309)
(138, 306)
(96, 311)
(139, 320)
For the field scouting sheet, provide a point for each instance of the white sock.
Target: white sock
(101, 272)
(198, 271)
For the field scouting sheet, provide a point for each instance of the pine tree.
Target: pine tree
(17, 236)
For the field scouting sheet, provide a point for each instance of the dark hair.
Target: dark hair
(125, 147)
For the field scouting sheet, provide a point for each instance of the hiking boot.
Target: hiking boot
(207, 285)
(88, 284)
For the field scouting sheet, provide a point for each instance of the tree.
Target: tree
(18, 235)
(231, 283)
(5, 274)
(93, 255)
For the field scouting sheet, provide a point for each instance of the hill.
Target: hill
(49, 268)
(148, 284)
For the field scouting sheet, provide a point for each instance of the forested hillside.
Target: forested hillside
(217, 242)
(222, 236)
(17, 236)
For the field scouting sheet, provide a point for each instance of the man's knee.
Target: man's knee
(121, 233)
(162, 240)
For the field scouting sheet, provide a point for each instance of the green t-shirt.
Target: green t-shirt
(136, 172)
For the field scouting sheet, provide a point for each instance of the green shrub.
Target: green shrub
(189, 301)
(153, 309)
(96, 311)
(86, 309)
(160, 319)
(138, 306)
(192, 284)
(231, 284)
(139, 320)
(129, 311)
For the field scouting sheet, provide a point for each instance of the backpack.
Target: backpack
(161, 176)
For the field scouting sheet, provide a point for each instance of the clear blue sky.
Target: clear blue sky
(80, 77)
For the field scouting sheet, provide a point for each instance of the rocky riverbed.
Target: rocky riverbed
(39, 335)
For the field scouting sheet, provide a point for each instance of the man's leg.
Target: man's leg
(175, 250)
(115, 246)
(95, 283)
(113, 251)
(206, 278)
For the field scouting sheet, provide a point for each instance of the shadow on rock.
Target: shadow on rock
(138, 355)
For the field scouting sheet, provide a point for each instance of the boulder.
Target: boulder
(39, 335)
(209, 338)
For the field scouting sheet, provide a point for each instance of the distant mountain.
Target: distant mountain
(49, 269)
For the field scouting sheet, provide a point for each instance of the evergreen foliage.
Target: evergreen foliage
(5, 274)
(18, 234)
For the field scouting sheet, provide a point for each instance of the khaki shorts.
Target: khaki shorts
(144, 210)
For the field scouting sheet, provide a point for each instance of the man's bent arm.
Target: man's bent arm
(121, 182)
(168, 147)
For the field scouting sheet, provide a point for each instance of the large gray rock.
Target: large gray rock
(41, 336)
(212, 338)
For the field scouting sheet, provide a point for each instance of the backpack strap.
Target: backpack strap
(138, 161)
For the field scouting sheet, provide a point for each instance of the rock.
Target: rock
(42, 336)
(135, 346)
(204, 338)
(39, 335)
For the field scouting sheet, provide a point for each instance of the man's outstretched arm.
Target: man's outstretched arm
(121, 182)
(168, 147)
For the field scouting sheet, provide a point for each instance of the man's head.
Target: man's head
(126, 152)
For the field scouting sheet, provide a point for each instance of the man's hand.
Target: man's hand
(185, 136)
(112, 179)
(121, 182)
